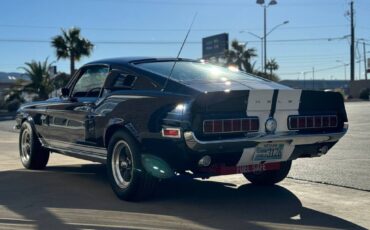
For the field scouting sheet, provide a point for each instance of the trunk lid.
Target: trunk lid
(262, 104)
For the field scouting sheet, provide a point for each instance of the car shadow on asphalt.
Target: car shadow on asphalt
(39, 196)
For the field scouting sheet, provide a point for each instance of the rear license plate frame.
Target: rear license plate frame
(269, 151)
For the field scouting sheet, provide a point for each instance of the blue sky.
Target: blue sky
(153, 21)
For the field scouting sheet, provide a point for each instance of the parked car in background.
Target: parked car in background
(151, 118)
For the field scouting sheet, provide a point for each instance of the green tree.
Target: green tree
(272, 77)
(272, 65)
(40, 78)
(241, 56)
(71, 45)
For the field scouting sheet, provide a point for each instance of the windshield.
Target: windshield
(186, 71)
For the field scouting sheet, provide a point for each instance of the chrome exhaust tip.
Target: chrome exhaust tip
(205, 161)
(323, 150)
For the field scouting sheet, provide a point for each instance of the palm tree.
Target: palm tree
(240, 56)
(71, 45)
(272, 65)
(40, 78)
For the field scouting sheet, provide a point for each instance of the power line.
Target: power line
(161, 42)
(163, 29)
(317, 70)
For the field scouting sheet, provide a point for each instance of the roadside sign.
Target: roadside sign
(215, 46)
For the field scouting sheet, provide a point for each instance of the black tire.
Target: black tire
(269, 177)
(127, 177)
(32, 154)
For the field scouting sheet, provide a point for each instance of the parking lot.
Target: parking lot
(330, 192)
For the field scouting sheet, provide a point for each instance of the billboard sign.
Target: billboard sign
(215, 46)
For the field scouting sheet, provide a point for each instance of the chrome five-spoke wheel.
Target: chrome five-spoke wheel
(126, 175)
(25, 145)
(32, 154)
(122, 164)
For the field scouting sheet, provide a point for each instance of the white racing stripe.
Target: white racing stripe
(287, 104)
(259, 105)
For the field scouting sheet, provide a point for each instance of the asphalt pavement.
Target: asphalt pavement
(75, 194)
(348, 162)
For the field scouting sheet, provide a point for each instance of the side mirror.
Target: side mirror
(65, 92)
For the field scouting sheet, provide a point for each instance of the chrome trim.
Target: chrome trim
(79, 154)
(62, 145)
(292, 137)
(128, 96)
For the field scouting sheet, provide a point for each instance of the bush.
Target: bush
(13, 105)
(364, 94)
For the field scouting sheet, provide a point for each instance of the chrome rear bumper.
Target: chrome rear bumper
(292, 137)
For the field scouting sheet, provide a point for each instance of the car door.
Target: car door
(70, 123)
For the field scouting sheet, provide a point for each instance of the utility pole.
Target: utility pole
(364, 47)
(352, 44)
(313, 78)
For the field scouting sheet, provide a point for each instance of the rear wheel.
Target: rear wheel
(269, 177)
(128, 179)
(32, 154)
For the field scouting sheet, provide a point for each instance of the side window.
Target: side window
(119, 80)
(124, 81)
(144, 83)
(90, 82)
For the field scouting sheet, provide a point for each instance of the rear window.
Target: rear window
(186, 71)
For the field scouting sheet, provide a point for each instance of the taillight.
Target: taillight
(313, 122)
(231, 125)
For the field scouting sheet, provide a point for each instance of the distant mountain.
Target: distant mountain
(12, 77)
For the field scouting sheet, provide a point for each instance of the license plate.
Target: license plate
(268, 151)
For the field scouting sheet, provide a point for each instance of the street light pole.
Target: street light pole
(265, 38)
(260, 38)
(364, 47)
(265, 6)
(352, 50)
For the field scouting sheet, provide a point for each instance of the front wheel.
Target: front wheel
(128, 179)
(32, 154)
(269, 177)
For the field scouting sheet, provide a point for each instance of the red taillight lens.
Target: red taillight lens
(254, 125)
(208, 126)
(333, 121)
(231, 125)
(312, 122)
(227, 126)
(301, 122)
(294, 122)
(309, 122)
(237, 125)
(246, 125)
(217, 126)
(171, 132)
(325, 122)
